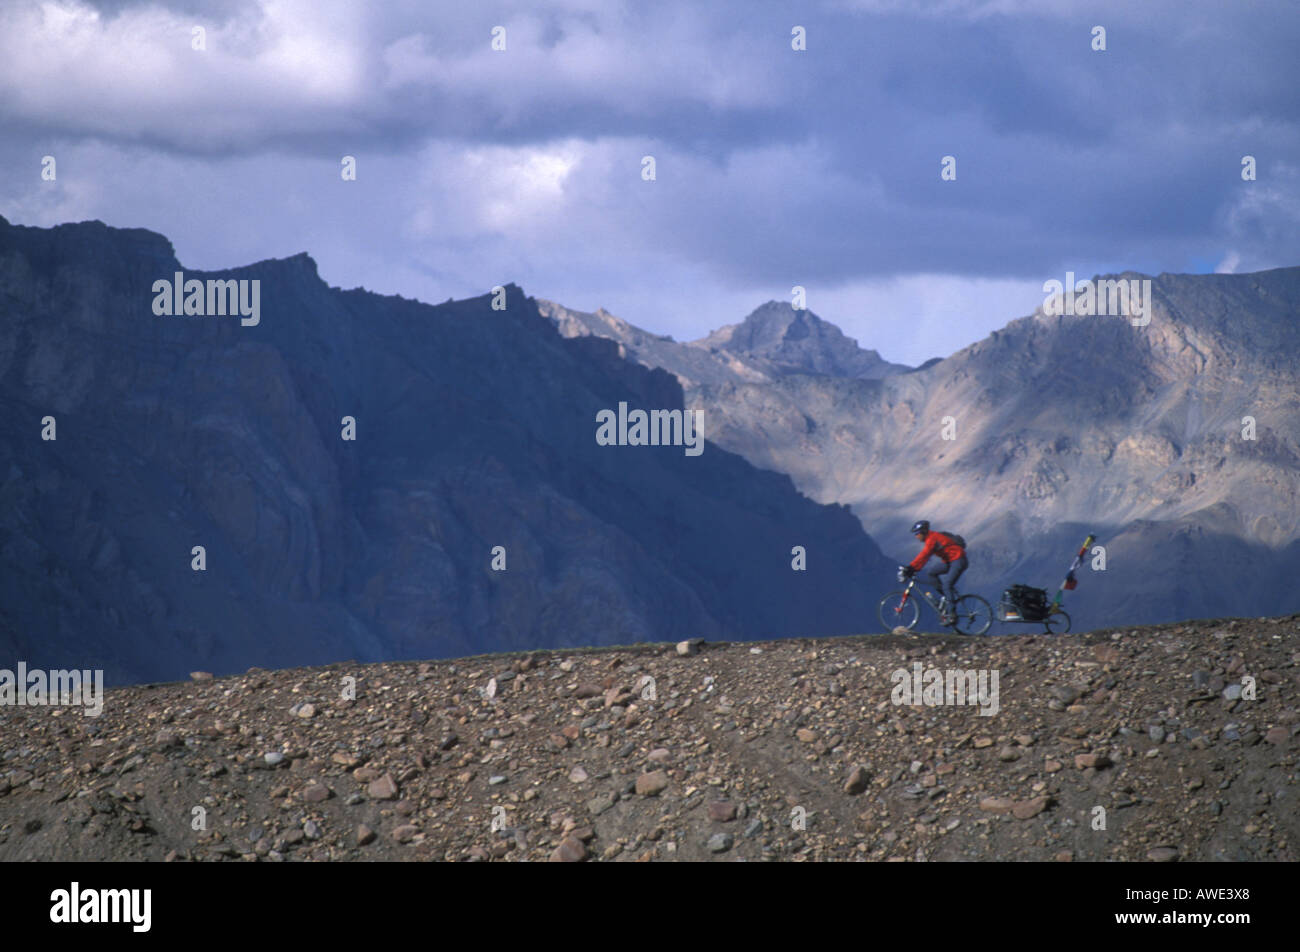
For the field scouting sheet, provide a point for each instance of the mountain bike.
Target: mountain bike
(971, 615)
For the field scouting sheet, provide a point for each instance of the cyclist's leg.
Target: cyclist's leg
(937, 575)
(955, 570)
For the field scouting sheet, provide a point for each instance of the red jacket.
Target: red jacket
(936, 543)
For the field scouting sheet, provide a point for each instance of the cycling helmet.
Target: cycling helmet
(921, 526)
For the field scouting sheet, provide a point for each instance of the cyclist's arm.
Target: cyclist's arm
(926, 551)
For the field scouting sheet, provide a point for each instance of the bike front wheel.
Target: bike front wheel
(897, 613)
(973, 616)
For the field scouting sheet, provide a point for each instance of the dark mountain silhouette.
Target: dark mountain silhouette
(475, 428)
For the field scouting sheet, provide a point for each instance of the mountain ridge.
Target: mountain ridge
(474, 428)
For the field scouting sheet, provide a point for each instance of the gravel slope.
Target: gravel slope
(562, 755)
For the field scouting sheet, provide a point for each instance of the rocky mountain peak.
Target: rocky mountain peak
(798, 341)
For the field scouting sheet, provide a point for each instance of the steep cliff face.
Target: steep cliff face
(1178, 442)
(474, 428)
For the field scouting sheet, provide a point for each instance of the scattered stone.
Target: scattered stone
(273, 758)
(722, 811)
(578, 774)
(1063, 693)
(805, 735)
(385, 788)
(1026, 809)
(721, 842)
(365, 835)
(998, 805)
(598, 805)
(1106, 654)
(201, 675)
(857, 781)
(405, 833)
(1162, 854)
(652, 784)
(315, 793)
(1083, 761)
(570, 850)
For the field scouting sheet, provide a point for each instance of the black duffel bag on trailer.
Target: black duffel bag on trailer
(1026, 601)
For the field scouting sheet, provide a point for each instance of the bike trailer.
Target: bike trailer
(1024, 603)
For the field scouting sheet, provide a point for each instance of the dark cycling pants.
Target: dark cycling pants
(948, 572)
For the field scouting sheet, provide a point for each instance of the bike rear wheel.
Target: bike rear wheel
(1057, 623)
(973, 616)
(895, 613)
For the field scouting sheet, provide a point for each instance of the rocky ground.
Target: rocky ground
(789, 750)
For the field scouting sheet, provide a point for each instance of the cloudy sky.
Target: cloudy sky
(773, 167)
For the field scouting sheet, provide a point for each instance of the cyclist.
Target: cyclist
(953, 563)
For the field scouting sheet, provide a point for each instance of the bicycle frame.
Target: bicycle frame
(907, 595)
